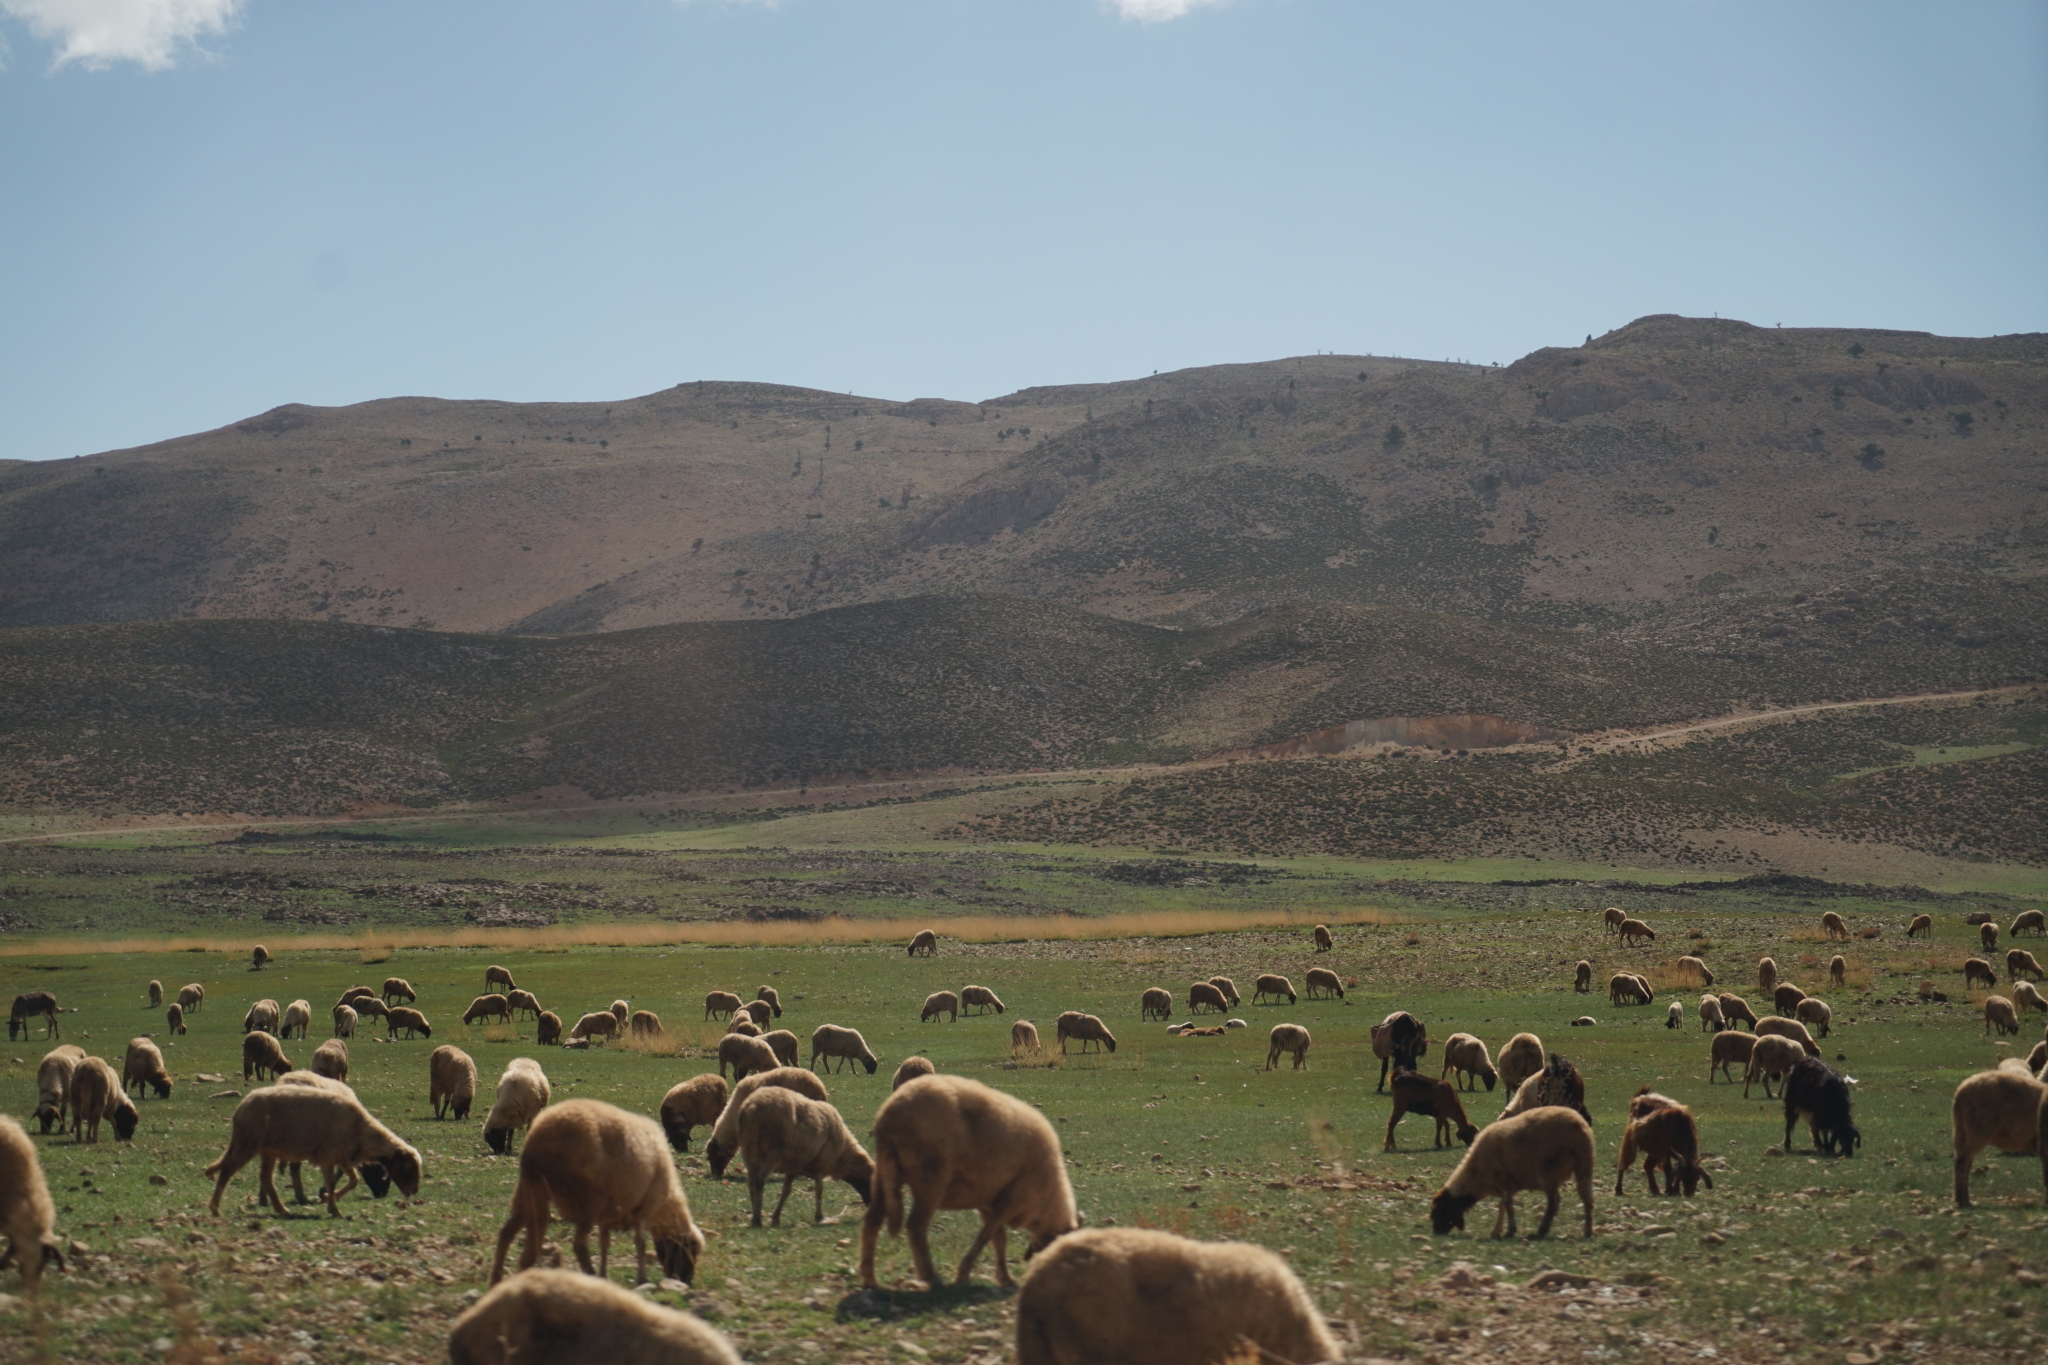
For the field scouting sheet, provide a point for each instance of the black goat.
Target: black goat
(1813, 1090)
(1399, 1041)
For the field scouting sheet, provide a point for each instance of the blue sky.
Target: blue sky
(208, 207)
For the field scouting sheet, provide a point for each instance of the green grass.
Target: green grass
(1288, 1159)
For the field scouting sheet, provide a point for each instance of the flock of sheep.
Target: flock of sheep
(940, 1143)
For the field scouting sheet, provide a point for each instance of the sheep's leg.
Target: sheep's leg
(640, 1253)
(918, 1229)
(579, 1242)
(1398, 1111)
(993, 1229)
(756, 1184)
(818, 1195)
(1383, 1086)
(231, 1162)
(1966, 1156)
(1550, 1203)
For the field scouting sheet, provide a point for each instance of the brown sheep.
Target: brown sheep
(143, 1068)
(156, 994)
(1612, 918)
(547, 1029)
(745, 1026)
(1993, 1109)
(523, 1092)
(1321, 934)
(1729, 1048)
(262, 1015)
(1323, 983)
(768, 996)
(1921, 927)
(1435, 1098)
(832, 1042)
(725, 1133)
(2027, 996)
(1977, 972)
(1786, 999)
(1202, 994)
(601, 1167)
(488, 1007)
(298, 1017)
(596, 1024)
(1987, 934)
(1273, 985)
(1766, 976)
(330, 1059)
(1538, 1150)
(938, 1003)
(783, 1044)
(721, 1005)
(1815, 1014)
(1635, 931)
(1520, 1059)
(1582, 977)
(925, 942)
(354, 994)
(980, 999)
(1999, 1014)
(261, 1054)
(1466, 1053)
(1736, 1010)
(53, 1085)
(370, 1007)
(192, 997)
(1291, 1039)
(760, 1011)
(451, 1082)
(498, 976)
(1771, 1055)
(1155, 1003)
(912, 1068)
(1024, 1038)
(644, 1024)
(954, 1143)
(1834, 926)
(412, 1021)
(1788, 1028)
(2028, 922)
(322, 1124)
(523, 1002)
(1697, 968)
(563, 1318)
(1668, 1137)
(174, 1018)
(695, 1103)
(620, 1011)
(96, 1096)
(782, 1133)
(1626, 988)
(259, 958)
(1712, 1019)
(2019, 962)
(1136, 1295)
(1838, 971)
(28, 1216)
(745, 1055)
(1228, 987)
(396, 986)
(1085, 1027)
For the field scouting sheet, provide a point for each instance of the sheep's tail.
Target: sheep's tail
(888, 1191)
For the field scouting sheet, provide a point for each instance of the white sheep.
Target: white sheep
(782, 1133)
(27, 1213)
(261, 1054)
(1771, 1055)
(53, 1085)
(694, 1103)
(1465, 1053)
(596, 1024)
(97, 1097)
(330, 1059)
(143, 1068)
(1537, 1150)
(910, 1070)
(297, 1015)
(322, 1124)
(262, 1015)
(744, 1055)
(1731, 1046)
(832, 1042)
(721, 1005)
(938, 1003)
(2027, 996)
(783, 1044)
(1085, 1027)
(1024, 1038)
(980, 999)
(1815, 1014)
(344, 1021)
(1674, 1015)
(562, 1318)
(1520, 1059)
(1712, 1018)
(451, 1082)
(2001, 1109)
(523, 1091)
(2000, 1014)
(1772, 1024)
(725, 1133)
(1291, 1039)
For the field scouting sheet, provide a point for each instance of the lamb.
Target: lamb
(783, 1044)
(547, 1029)
(1519, 1060)
(954, 1143)
(261, 1054)
(1669, 1138)
(599, 1166)
(1612, 918)
(1712, 1019)
(1697, 968)
(143, 1068)
(1157, 1002)
(1538, 1150)
(1466, 1053)
(330, 1059)
(297, 1015)
(721, 1005)
(1292, 1039)
(938, 1003)
(835, 1043)
(2028, 921)
(53, 1085)
(620, 1010)
(1024, 1038)
(1977, 972)
(912, 1068)
(522, 1002)
(782, 1133)
(1139, 1296)
(2019, 962)
(696, 1102)
(725, 1133)
(1729, 1048)
(97, 1096)
(1815, 1014)
(451, 1082)
(2000, 1014)
(744, 1055)
(174, 1018)
(761, 1012)
(1625, 988)
(1087, 1028)
(596, 1024)
(1558, 1083)
(191, 997)
(498, 976)
(262, 1016)
(2027, 996)
(1399, 1041)
(564, 1318)
(1987, 934)
(523, 1092)
(1674, 1015)
(1786, 999)
(28, 1216)
(1635, 931)
(980, 999)
(488, 1007)
(925, 942)
(1838, 971)
(1766, 976)
(156, 994)
(1200, 994)
(1834, 926)
(1788, 1028)
(396, 986)
(644, 1024)
(1274, 986)
(320, 1124)
(1321, 935)
(1771, 1055)
(1322, 983)
(1582, 977)
(1437, 1099)
(1921, 927)
(1994, 1109)
(1228, 987)
(768, 996)
(1814, 1092)
(259, 958)
(411, 1020)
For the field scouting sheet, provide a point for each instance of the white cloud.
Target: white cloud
(1158, 11)
(97, 33)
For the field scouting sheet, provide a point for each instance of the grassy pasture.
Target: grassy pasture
(1187, 1135)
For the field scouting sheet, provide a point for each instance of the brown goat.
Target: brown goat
(1436, 1098)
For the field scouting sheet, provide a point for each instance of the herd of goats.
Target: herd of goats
(946, 1142)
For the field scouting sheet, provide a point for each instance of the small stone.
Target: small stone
(1714, 1239)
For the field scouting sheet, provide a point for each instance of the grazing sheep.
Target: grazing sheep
(1200, 994)
(954, 1143)
(782, 1133)
(783, 1044)
(2027, 996)
(523, 1091)
(774, 1002)
(156, 994)
(1635, 931)
(1399, 1041)
(1292, 1039)
(396, 986)
(1584, 1021)
(28, 1216)
(1674, 1015)
(760, 1011)
(564, 1318)
(725, 1133)
(1156, 1002)
(451, 1083)
(690, 1104)
(1838, 971)
(1770, 1056)
(498, 976)
(620, 1010)
(1786, 999)
(745, 1026)
(1539, 1150)
(599, 1166)
(1788, 1028)
(912, 1068)
(1085, 1027)
(2028, 921)
(1612, 918)
(1698, 968)
(1024, 1038)
(1977, 972)
(1140, 1296)
(1766, 976)
(1582, 977)
(96, 1096)
(744, 1055)
(644, 1024)
(261, 1054)
(1979, 917)
(262, 1015)
(1814, 1092)
(1519, 1060)
(845, 1044)
(1274, 986)
(1228, 987)
(192, 997)
(1736, 1010)
(2037, 1061)
(1466, 1054)
(355, 993)
(1668, 1137)
(925, 942)
(1321, 934)
(1987, 934)
(174, 1018)
(547, 1029)
(938, 1003)
(1921, 927)
(1433, 1098)
(330, 1059)
(2019, 962)
(1834, 926)
(2000, 1014)
(370, 1007)
(488, 1007)
(1729, 1048)
(143, 1069)
(523, 1002)
(1712, 1020)
(53, 1085)
(1815, 1014)
(1558, 1083)
(596, 1024)
(721, 1005)
(412, 1021)
(1323, 982)
(259, 958)
(1626, 988)
(1999, 1109)
(980, 999)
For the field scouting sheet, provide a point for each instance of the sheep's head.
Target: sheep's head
(1466, 1132)
(125, 1119)
(403, 1166)
(46, 1114)
(863, 1181)
(499, 1140)
(1447, 1211)
(869, 1062)
(1489, 1076)
(716, 1156)
(1846, 1138)
(162, 1086)
(678, 1254)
